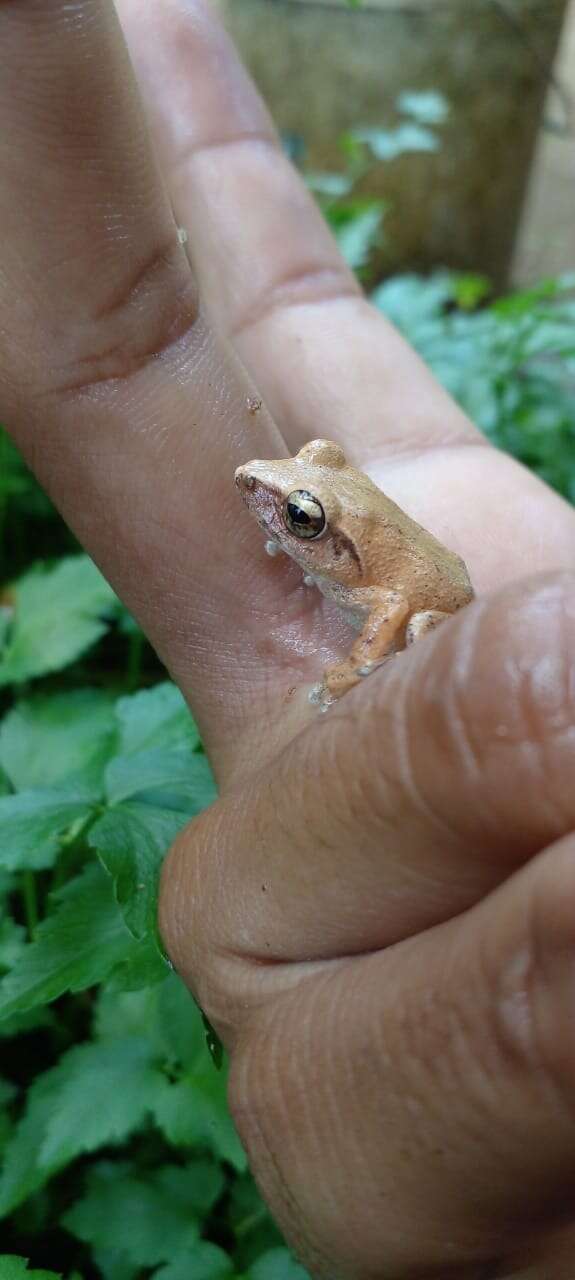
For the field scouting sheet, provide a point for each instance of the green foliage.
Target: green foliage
(52, 615)
(510, 364)
(118, 1155)
(95, 784)
(14, 1268)
(357, 219)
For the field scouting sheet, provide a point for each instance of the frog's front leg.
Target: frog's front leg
(388, 611)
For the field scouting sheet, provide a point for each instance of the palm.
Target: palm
(135, 411)
(237, 631)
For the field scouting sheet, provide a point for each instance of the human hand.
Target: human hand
(399, 1028)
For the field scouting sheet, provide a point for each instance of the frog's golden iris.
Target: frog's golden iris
(304, 516)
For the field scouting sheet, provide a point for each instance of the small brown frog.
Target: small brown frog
(394, 580)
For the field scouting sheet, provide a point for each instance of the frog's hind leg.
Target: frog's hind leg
(421, 623)
(387, 613)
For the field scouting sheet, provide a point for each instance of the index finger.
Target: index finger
(130, 411)
(269, 268)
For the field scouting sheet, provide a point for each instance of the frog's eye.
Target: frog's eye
(304, 515)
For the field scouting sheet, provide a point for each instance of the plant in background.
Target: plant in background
(118, 1157)
(357, 220)
(509, 363)
(117, 1149)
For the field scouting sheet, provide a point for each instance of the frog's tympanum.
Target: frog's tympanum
(392, 578)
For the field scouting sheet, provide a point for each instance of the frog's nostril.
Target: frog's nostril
(244, 480)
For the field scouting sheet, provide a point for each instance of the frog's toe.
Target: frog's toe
(272, 548)
(316, 694)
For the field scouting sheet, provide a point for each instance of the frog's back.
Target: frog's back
(403, 556)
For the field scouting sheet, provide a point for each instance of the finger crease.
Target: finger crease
(303, 286)
(258, 139)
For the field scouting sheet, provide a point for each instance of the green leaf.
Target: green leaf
(249, 1218)
(75, 947)
(97, 1094)
(176, 771)
(388, 144)
(155, 717)
(101, 1093)
(134, 1216)
(357, 228)
(196, 1187)
(194, 1113)
(34, 824)
(278, 1264)
(203, 1262)
(427, 107)
(132, 841)
(14, 1268)
(12, 942)
(180, 1032)
(151, 796)
(143, 967)
(55, 737)
(58, 614)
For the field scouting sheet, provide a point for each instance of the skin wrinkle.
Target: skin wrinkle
(250, 1119)
(318, 386)
(460, 724)
(404, 738)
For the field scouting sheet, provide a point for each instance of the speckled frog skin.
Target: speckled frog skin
(392, 578)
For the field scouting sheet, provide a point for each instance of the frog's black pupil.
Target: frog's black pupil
(304, 515)
(297, 514)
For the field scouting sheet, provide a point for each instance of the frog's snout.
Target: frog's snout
(244, 479)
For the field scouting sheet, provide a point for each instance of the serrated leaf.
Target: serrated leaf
(101, 1093)
(20, 1175)
(178, 1028)
(194, 1113)
(157, 717)
(15, 1268)
(196, 1186)
(55, 737)
(58, 613)
(143, 967)
(96, 1095)
(278, 1264)
(132, 841)
(203, 1262)
(33, 824)
(175, 771)
(75, 947)
(151, 796)
(133, 1216)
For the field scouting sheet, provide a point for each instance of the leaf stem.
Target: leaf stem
(30, 900)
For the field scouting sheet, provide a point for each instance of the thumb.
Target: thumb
(413, 797)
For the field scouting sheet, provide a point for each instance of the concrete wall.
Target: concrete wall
(546, 243)
(324, 67)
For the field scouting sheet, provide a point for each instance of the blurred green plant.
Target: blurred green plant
(118, 1156)
(356, 219)
(510, 363)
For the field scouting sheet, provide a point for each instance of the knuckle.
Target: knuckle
(133, 324)
(494, 697)
(534, 1000)
(183, 912)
